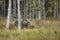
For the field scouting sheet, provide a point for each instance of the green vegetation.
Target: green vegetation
(44, 30)
(48, 29)
(30, 34)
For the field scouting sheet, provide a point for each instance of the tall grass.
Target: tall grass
(44, 30)
(30, 34)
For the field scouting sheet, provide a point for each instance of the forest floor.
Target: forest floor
(44, 30)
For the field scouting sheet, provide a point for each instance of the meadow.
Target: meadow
(43, 30)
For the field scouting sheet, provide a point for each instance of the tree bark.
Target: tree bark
(9, 15)
(19, 15)
(14, 7)
(4, 8)
(55, 10)
(44, 9)
(39, 12)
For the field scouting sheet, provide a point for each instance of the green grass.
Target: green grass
(30, 34)
(44, 30)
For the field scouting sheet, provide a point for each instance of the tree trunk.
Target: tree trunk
(9, 15)
(33, 9)
(30, 10)
(19, 15)
(4, 8)
(14, 8)
(55, 10)
(27, 9)
(44, 9)
(39, 13)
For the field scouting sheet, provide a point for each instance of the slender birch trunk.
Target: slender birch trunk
(4, 8)
(14, 7)
(27, 9)
(24, 10)
(19, 15)
(55, 10)
(44, 9)
(39, 13)
(33, 9)
(30, 10)
(9, 15)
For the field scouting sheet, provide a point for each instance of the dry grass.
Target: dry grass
(44, 30)
(30, 34)
(53, 24)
